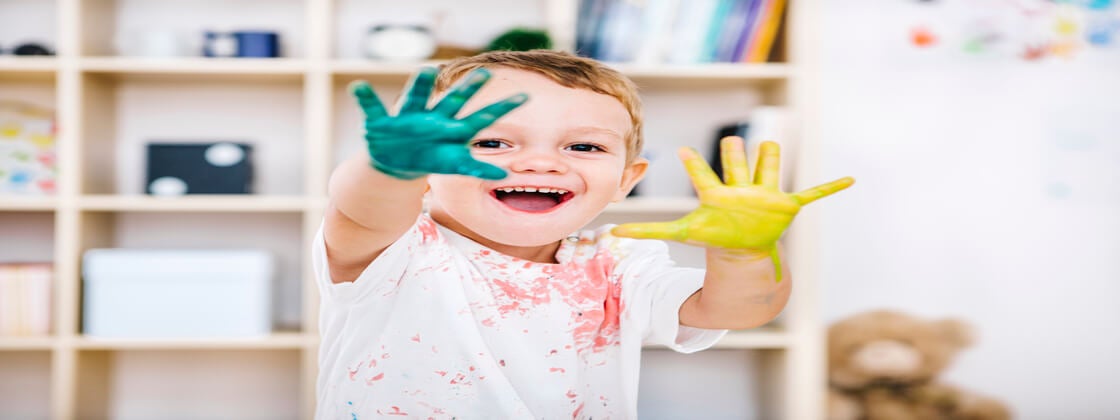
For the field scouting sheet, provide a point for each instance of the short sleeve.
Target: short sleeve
(383, 272)
(654, 289)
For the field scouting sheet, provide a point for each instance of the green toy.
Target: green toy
(521, 39)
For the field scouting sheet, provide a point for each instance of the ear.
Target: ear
(633, 173)
(955, 331)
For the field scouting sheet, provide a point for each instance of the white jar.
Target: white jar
(399, 43)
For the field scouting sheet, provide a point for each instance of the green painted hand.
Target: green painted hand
(420, 141)
(742, 215)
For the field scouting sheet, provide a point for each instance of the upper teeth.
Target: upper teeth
(533, 189)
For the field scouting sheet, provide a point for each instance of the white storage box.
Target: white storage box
(132, 293)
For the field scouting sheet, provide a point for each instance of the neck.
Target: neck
(541, 254)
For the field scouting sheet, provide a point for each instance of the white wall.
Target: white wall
(988, 188)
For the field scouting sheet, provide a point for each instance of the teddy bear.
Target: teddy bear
(883, 365)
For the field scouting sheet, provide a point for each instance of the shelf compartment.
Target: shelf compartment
(465, 24)
(26, 389)
(279, 234)
(123, 115)
(197, 68)
(114, 27)
(28, 237)
(194, 203)
(747, 382)
(192, 384)
(277, 341)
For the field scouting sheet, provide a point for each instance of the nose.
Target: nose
(539, 161)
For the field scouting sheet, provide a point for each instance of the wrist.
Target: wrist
(395, 173)
(745, 255)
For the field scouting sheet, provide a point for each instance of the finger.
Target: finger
(462, 92)
(484, 117)
(702, 175)
(655, 230)
(477, 169)
(419, 90)
(368, 100)
(767, 172)
(824, 190)
(734, 158)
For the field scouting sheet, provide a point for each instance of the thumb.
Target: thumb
(674, 231)
(470, 167)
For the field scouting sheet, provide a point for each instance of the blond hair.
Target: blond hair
(565, 69)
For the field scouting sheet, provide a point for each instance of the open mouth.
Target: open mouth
(531, 199)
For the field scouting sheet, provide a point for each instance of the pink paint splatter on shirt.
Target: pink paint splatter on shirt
(395, 412)
(377, 377)
(416, 338)
(460, 378)
(557, 369)
(512, 297)
(575, 414)
(572, 394)
(428, 231)
(590, 287)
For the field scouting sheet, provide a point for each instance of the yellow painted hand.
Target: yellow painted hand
(742, 214)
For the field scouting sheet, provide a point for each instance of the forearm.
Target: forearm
(740, 291)
(368, 211)
(373, 200)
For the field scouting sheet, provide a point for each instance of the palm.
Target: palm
(756, 215)
(420, 141)
(742, 214)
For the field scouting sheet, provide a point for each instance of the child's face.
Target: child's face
(563, 139)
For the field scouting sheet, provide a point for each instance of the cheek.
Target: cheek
(449, 189)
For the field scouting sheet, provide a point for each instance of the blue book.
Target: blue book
(733, 26)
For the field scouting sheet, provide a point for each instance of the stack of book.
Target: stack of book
(678, 32)
(25, 297)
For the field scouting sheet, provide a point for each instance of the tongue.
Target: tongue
(528, 201)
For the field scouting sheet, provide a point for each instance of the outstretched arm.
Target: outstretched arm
(375, 197)
(739, 222)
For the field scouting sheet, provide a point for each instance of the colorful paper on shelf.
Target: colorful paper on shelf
(770, 20)
(25, 299)
(27, 150)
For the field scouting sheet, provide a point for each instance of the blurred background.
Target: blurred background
(163, 166)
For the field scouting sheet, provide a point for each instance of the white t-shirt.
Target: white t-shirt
(439, 326)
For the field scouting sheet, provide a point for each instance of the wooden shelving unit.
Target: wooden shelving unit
(106, 105)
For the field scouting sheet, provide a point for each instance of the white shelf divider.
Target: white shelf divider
(26, 343)
(28, 203)
(193, 203)
(277, 341)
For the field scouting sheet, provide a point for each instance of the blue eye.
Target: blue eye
(586, 147)
(488, 144)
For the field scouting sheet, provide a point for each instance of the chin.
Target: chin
(523, 238)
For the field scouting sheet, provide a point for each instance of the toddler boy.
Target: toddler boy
(494, 303)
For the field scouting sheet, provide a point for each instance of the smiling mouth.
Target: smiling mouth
(532, 199)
